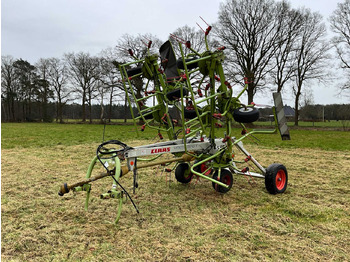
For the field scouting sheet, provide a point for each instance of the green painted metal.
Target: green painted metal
(218, 96)
(119, 210)
(88, 175)
(149, 66)
(114, 194)
(218, 100)
(203, 174)
(87, 189)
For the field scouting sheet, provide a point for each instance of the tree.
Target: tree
(186, 33)
(139, 46)
(110, 78)
(58, 77)
(311, 54)
(340, 24)
(8, 86)
(83, 70)
(285, 64)
(25, 75)
(43, 87)
(251, 30)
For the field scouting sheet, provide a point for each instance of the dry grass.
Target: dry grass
(310, 222)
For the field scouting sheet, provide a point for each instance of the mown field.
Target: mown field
(310, 222)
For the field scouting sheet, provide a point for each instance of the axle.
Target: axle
(65, 188)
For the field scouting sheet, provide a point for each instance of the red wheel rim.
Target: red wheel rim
(281, 179)
(205, 167)
(226, 179)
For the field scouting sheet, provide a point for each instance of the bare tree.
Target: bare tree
(8, 87)
(101, 90)
(139, 46)
(110, 78)
(284, 57)
(58, 77)
(186, 33)
(340, 24)
(251, 30)
(43, 87)
(83, 70)
(311, 54)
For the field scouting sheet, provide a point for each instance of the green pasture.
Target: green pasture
(326, 124)
(177, 222)
(24, 135)
(331, 124)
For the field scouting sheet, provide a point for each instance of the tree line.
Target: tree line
(325, 112)
(73, 111)
(269, 43)
(315, 113)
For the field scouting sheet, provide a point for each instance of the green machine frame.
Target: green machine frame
(196, 86)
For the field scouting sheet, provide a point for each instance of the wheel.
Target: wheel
(190, 113)
(180, 63)
(134, 71)
(150, 116)
(183, 173)
(175, 94)
(226, 178)
(276, 178)
(246, 115)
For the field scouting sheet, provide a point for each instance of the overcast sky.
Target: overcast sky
(33, 29)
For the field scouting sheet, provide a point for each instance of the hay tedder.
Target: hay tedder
(195, 87)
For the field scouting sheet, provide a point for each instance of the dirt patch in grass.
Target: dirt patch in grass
(310, 222)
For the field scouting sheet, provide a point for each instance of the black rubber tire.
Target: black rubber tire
(190, 113)
(226, 178)
(249, 115)
(183, 173)
(134, 71)
(276, 179)
(174, 94)
(180, 63)
(150, 116)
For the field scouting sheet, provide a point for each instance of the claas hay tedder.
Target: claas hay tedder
(196, 87)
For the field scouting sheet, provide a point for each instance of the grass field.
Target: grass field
(28, 135)
(310, 222)
(341, 124)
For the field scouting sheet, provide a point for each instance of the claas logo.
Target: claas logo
(160, 150)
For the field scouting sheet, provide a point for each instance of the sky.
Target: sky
(34, 29)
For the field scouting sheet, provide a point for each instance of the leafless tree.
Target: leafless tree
(139, 46)
(110, 78)
(58, 77)
(251, 30)
(43, 87)
(102, 91)
(284, 57)
(8, 87)
(186, 33)
(83, 70)
(340, 24)
(311, 54)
